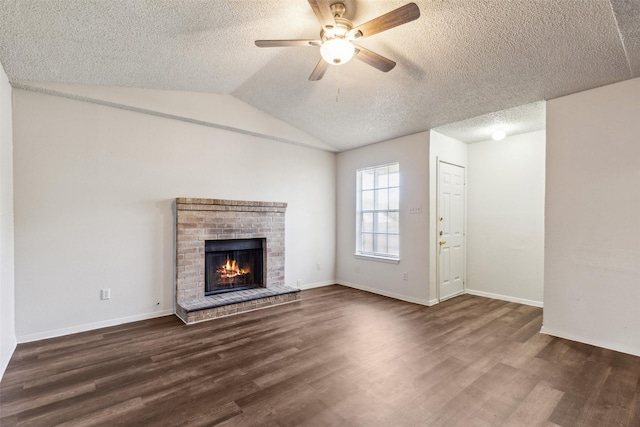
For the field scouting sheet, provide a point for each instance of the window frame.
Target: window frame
(391, 209)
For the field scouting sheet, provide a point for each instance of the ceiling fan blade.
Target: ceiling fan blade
(322, 9)
(402, 15)
(281, 43)
(373, 59)
(319, 71)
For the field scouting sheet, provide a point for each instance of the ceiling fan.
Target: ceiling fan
(338, 34)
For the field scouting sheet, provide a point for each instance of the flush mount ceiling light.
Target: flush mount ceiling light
(337, 35)
(498, 134)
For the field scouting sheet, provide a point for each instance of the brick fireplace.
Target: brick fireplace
(205, 223)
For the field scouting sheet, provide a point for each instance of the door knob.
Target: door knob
(442, 242)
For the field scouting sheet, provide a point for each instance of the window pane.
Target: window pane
(394, 222)
(394, 245)
(367, 242)
(379, 205)
(394, 198)
(382, 199)
(367, 223)
(382, 177)
(394, 176)
(367, 179)
(381, 243)
(367, 200)
(381, 222)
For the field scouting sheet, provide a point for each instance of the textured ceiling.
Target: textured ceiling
(513, 121)
(461, 59)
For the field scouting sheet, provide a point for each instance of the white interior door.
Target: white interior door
(450, 230)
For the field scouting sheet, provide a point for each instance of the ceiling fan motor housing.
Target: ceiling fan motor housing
(341, 30)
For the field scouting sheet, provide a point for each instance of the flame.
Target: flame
(231, 269)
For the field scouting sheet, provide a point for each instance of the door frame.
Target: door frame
(464, 231)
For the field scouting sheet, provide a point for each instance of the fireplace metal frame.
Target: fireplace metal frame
(227, 245)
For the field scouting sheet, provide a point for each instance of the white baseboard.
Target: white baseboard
(317, 285)
(6, 356)
(504, 298)
(421, 301)
(91, 326)
(590, 341)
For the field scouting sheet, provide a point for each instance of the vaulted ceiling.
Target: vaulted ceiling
(459, 60)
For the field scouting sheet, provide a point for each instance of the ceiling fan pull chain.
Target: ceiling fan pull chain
(337, 85)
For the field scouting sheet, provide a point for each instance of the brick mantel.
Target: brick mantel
(198, 220)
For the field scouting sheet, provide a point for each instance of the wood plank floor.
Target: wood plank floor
(338, 357)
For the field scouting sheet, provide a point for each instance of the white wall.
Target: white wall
(592, 217)
(505, 218)
(7, 298)
(446, 149)
(412, 152)
(94, 193)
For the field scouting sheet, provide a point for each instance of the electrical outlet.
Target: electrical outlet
(317, 266)
(298, 283)
(105, 294)
(405, 276)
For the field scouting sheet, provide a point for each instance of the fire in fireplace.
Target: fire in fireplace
(233, 265)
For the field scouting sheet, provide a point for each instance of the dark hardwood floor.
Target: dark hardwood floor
(338, 357)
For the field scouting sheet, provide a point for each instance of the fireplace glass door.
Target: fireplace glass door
(233, 265)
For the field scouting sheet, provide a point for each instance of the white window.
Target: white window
(378, 212)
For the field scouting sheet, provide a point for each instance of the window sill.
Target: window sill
(377, 258)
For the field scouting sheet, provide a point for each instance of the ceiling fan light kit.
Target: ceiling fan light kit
(337, 35)
(337, 51)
